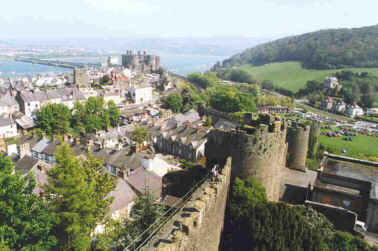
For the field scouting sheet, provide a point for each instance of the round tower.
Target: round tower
(298, 137)
(313, 140)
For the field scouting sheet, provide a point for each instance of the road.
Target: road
(302, 102)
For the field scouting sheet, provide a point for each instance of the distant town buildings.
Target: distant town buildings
(8, 128)
(140, 93)
(140, 62)
(113, 61)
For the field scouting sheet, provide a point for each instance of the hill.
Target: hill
(325, 49)
(292, 76)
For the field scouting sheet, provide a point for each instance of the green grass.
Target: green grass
(361, 144)
(291, 75)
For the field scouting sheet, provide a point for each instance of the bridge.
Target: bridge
(56, 63)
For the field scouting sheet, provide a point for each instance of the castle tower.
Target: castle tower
(298, 138)
(259, 152)
(313, 140)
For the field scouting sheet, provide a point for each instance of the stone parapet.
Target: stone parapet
(198, 225)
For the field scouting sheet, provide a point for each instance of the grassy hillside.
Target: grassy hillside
(291, 75)
(324, 49)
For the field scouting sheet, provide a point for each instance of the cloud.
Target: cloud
(124, 6)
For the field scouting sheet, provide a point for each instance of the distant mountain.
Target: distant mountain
(325, 49)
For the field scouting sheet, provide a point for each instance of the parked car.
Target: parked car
(360, 226)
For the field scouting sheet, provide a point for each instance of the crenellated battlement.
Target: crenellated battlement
(198, 225)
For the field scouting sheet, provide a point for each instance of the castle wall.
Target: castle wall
(298, 138)
(200, 223)
(313, 140)
(260, 152)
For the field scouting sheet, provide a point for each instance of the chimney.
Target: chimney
(24, 132)
(188, 124)
(54, 137)
(65, 137)
(199, 128)
(43, 135)
(90, 142)
(34, 134)
(77, 140)
(178, 124)
(103, 144)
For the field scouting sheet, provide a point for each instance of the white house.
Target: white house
(112, 95)
(8, 128)
(354, 110)
(372, 111)
(339, 106)
(158, 165)
(140, 93)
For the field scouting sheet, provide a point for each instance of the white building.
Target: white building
(113, 61)
(372, 111)
(331, 83)
(8, 128)
(339, 106)
(140, 93)
(354, 110)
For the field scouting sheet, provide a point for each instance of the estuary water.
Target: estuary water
(181, 64)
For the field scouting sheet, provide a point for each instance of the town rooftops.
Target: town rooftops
(41, 145)
(6, 122)
(191, 116)
(50, 149)
(66, 94)
(25, 164)
(123, 194)
(141, 178)
(8, 100)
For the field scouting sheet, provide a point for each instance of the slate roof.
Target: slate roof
(42, 144)
(8, 100)
(123, 194)
(140, 178)
(66, 94)
(28, 139)
(191, 116)
(50, 149)
(187, 135)
(6, 122)
(25, 164)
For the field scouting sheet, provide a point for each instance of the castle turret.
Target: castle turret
(259, 151)
(313, 140)
(298, 137)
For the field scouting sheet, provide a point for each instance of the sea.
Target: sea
(181, 64)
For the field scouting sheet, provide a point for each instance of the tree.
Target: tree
(246, 193)
(78, 116)
(207, 122)
(144, 213)
(345, 241)
(174, 102)
(25, 221)
(113, 113)
(252, 223)
(140, 134)
(76, 192)
(54, 118)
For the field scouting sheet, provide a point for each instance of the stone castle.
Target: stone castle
(259, 148)
(140, 62)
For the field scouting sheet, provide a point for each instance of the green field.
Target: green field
(361, 144)
(291, 76)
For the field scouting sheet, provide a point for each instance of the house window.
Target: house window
(28, 104)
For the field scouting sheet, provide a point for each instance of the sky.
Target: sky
(180, 18)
